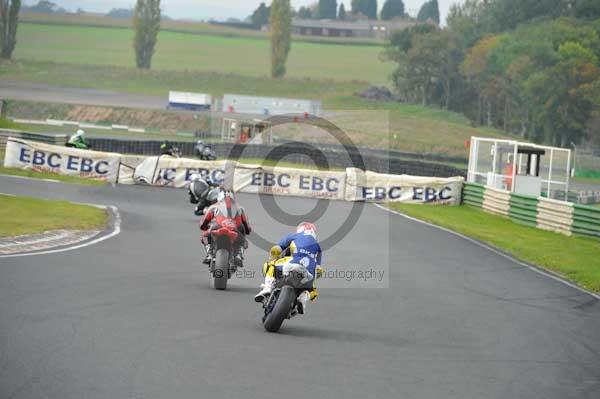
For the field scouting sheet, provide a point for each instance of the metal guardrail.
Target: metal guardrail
(558, 216)
(586, 220)
(58, 139)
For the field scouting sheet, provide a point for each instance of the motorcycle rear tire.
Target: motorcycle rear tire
(221, 272)
(280, 311)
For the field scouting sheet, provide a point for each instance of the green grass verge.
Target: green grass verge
(586, 180)
(575, 258)
(48, 175)
(6, 124)
(24, 215)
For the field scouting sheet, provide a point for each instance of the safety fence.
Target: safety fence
(547, 214)
(380, 161)
(350, 184)
(58, 139)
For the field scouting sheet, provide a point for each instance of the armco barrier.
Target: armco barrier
(496, 201)
(292, 152)
(552, 215)
(166, 171)
(473, 194)
(586, 220)
(555, 216)
(523, 209)
(57, 139)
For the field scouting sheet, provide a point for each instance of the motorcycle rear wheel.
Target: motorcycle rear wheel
(221, 271)
(280, 311)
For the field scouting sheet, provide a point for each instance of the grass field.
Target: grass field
(199, 52)
(24, 215)
(402, 126)
(586, 180)
(102, 58)
(580, 263)
(191, 27)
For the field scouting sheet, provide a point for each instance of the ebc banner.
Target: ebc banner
(288, 181)
(166, 171)
(376, 187)
(42, 157)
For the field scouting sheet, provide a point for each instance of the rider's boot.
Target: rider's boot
(238, 258)
(267, 288)
(207, 259)
(303, 300)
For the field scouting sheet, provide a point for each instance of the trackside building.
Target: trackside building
(270, 105)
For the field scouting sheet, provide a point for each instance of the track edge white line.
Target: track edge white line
(116, 230)
(534, 268)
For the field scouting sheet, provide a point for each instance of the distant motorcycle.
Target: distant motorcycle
(78, 141)
(171, 150)
(282, 302)
(208, 154)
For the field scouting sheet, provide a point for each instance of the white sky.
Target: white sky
(220, 9)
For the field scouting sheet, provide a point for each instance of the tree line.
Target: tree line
(329, 9)
(529, 67)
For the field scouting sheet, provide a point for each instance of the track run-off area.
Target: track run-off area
(135, 315)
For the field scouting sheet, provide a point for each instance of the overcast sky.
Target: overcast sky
(220, 9)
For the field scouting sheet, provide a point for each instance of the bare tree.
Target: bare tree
(146, 22)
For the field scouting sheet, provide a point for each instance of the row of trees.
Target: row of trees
(530, 67)
(328, 9)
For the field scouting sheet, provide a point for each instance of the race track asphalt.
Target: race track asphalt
(135, 316)
(30, 91)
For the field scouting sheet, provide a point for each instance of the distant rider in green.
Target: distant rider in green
(78, 140)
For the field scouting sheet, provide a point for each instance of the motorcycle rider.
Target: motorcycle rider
(304, 256)
(199, 148)
(168, 148)
(201, 193)
(78, 140)
(226, 207)
(208, 154)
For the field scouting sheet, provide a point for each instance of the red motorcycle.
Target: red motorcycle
(225, 219)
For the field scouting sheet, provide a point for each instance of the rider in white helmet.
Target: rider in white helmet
(78, 140)
(304, 254)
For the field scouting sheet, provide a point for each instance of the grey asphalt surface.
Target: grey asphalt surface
(30, 91)
(135, 316)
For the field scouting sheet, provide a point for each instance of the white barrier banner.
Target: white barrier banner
(166, 171)
(42, 157)
(375, 187)
(287, 181)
